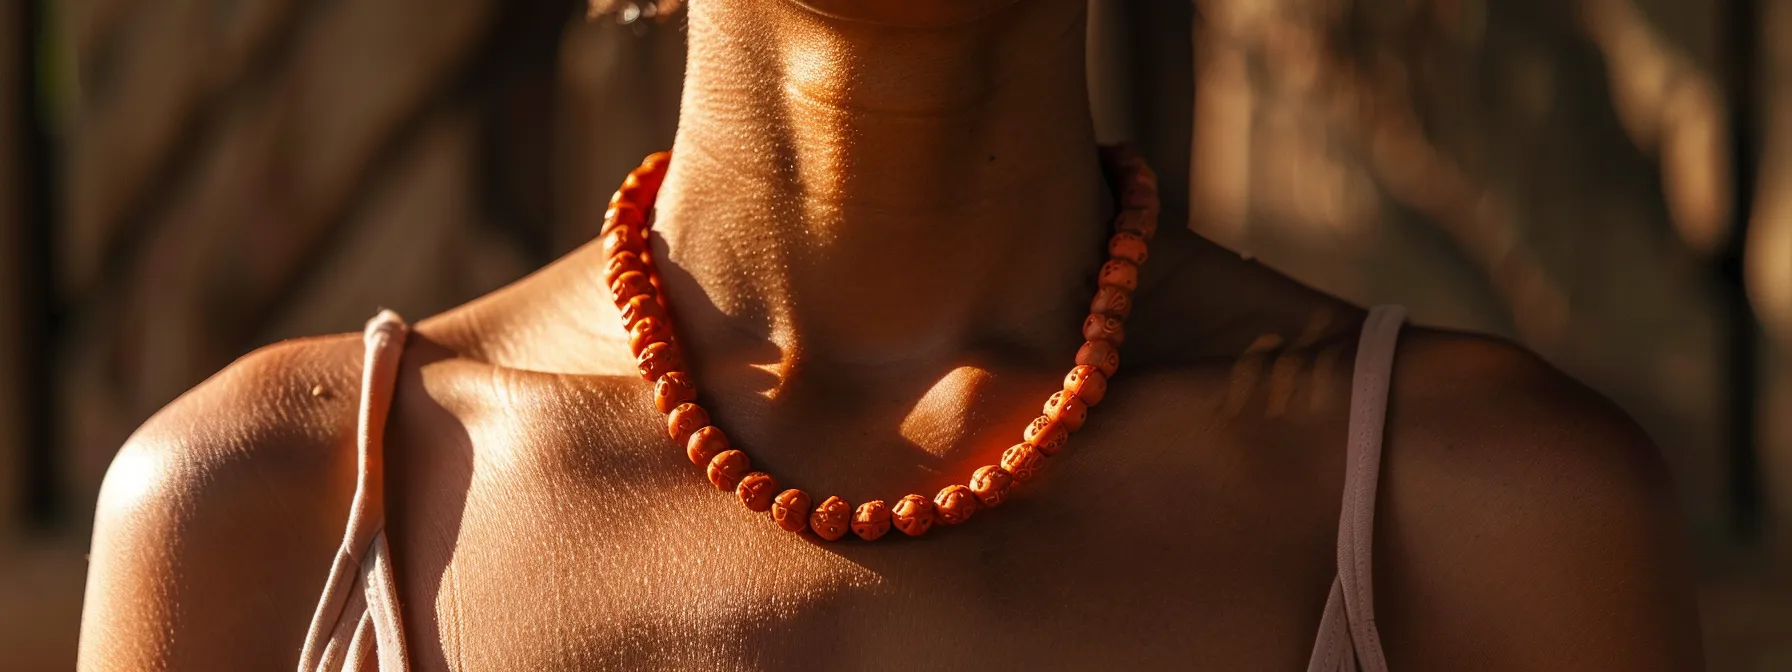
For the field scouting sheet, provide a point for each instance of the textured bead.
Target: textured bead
(871, 520)
(1023, 461)
(1067, 410)
(673, 389)
(623, 214)
(622, 263)
(1128, 246)
(705, 444)
(756, 491)
(954, 504)
(831, 518)
(1143, 177)
(1046, 435)
(636, 190)
(652, 172)
(1101, 355)
(1141, 223)
(727, 468)
(655, 163)
(1139, 199)
(1087, 383)
(648, 331)
(630, 285)
(1098, 327)
(913, 514)
(790, 510)
(624, 239)
(639, 308)
(1119, 273)
(659, 359)
(990, 484)
(1112, 302)
(686, 419)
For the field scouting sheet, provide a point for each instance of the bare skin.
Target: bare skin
(879, 242)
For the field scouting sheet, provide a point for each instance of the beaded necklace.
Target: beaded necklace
(634, 286)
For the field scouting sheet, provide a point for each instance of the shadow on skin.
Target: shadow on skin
(430, 461)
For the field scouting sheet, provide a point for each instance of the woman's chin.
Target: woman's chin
(907, 13)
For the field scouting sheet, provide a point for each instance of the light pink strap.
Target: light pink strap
(1332, 651)
(360, 592)
(1347, 638)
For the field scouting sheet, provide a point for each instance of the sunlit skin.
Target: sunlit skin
(878, 243)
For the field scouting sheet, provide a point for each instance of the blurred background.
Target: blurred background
(1607, 181)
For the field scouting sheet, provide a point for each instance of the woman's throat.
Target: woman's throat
(869, 194)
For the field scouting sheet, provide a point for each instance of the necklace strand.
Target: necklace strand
(634, 286)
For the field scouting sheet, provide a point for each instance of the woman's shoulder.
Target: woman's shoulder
(292, 403)
(1206, 309)
(1483, 411)
(1519, 499)
(227, 507)
(1515, 503)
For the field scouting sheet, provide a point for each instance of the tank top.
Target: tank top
(357, 625)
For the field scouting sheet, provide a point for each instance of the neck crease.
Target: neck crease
(868, 195)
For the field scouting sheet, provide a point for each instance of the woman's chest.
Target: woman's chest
(520, 546)
(557, 575)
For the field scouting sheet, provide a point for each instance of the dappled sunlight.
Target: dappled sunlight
(1671, 109)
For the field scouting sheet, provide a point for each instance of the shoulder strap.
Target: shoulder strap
(360, 594)
(1348, 639)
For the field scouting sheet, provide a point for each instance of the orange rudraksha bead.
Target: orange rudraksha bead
(705, 444)
(623, 214)
(727, 468)
(913, 515)
(990, 484)
(630, 285)
(1023, 461)
(658, 359)
(1119, 273)
(685, 420)
(636, 189)
(790, 510)
(1087, 383)
(648, 331)
(1046, 435)
(1128, 246)
(671, 390)
(1140, 199)
(831, 518)
(1101, 355)
(954, 504)
(1099, 327)
(624, 239)
(620, 264)
(1143, 175)
(756, 491)
(655, 165)
(641, 307)
(1111, 301)
(1141, 223)
(1067, 410)
(871, 520)
(1141, 179)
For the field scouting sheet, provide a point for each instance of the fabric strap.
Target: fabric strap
(357, 624)
(1347, 639)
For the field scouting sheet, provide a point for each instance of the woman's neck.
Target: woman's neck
(870, 196)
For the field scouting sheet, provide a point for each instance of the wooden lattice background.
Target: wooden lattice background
(210, 177)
